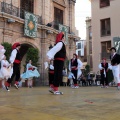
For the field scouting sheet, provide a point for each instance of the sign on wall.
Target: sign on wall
(30, 28)
(116, 43)
(65, 30)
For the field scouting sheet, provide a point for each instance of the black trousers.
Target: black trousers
(104, 80)
(75, 75)
(16, 73)
(51, 78)
(58, 68)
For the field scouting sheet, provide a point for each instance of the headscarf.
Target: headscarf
(59, 37)
(15, 45)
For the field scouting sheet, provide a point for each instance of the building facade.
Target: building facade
(105, 29)
(89, 42)
(50, 14)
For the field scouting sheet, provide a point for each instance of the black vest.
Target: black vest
(115, 59)
(61, 53)
(75, 63)
(105, 67)
(18, 57)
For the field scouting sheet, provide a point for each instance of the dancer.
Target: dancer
(31, 71)
(58, 53)
(5, 71)
(15, 60)
(115, 61)
(74, 65)
(104, 67)
(2, 51)
(51, 74)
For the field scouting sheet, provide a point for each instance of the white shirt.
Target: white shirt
(100, 66)
(13, 56)
(51, 53)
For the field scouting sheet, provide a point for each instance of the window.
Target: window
(58, 15)
(79, 53)
(79, 45)
(80, 48)
(90, 47)
(26, 5)
(104, 3)
(90, 32)
(105, 46)
(105, 27)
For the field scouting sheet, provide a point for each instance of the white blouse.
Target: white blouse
(51, 53)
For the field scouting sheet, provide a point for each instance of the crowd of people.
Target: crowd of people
(56, 57)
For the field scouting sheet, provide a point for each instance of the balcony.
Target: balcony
(15, 11)
(55, 25)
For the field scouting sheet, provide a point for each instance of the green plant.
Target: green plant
(8, 48)
(32, 54)
(87, 70)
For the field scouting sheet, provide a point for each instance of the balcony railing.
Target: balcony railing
(55, 25)
(9, 9)
(105, 55)
(15, 11)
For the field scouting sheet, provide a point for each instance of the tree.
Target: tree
(32, 54)
(8, 48)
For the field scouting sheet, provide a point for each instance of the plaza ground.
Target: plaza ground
(85, 103)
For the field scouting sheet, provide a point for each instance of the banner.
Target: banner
(65, 30)
(30, 28)
(116, 44)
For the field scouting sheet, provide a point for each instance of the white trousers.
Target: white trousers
(116, 72)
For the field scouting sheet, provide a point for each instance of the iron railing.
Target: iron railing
(9, 9)
(15, 11)
(55, 25)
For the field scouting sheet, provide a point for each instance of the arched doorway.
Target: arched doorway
(23, 50)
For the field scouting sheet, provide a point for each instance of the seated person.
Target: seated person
(83, 79)
(70, 78)
(98, 77)
(89, 79)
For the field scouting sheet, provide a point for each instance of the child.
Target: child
(70, 77)
(31, 71)
(5, 71)
(51, 74)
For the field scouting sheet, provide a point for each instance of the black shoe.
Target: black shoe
(16, 86)
(7, 89)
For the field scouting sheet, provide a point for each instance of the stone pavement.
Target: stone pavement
(85, 103)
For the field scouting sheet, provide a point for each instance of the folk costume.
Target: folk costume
(115, 61)
(58, 53)
(5, 71)
(15, 59)
(2, 51)
(104, 66)
(75, 65)
(51, 74)
(31, 71)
